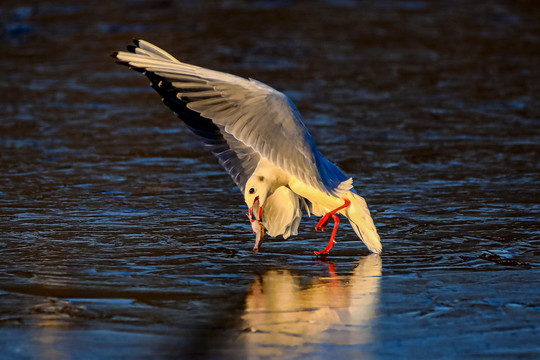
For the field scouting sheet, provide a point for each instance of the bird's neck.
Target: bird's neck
(273, 176)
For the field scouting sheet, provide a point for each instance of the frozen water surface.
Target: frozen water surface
(121, 237)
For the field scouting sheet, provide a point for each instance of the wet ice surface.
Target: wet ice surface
(120, 237)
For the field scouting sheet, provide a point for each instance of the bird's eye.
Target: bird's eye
(251, 191)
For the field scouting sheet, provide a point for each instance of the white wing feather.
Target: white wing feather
(255, 114)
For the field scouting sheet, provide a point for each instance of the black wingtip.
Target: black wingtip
(114, 54)
(136, 42)
(131, 48)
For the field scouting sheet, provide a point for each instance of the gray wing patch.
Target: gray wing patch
(238, 159)
(268, 122)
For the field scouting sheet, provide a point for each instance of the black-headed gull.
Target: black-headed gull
(258, 136)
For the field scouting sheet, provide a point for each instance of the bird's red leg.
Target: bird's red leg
(332, 241)
(324, 221)
(326, 218)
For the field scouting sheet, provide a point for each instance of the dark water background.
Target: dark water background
(121, 237)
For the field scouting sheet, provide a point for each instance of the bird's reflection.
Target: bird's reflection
(281, 313)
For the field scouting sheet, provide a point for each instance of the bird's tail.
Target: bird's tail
(362, 223)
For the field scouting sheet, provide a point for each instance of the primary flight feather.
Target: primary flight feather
(258, 136)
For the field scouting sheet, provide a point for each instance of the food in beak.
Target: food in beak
(258, 229)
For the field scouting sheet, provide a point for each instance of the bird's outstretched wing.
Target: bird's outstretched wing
(243, 117)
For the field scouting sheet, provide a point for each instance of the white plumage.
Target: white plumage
(258, 136)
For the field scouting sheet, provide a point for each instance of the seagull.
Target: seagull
(258, 136)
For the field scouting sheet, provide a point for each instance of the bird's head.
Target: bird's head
(255, 193)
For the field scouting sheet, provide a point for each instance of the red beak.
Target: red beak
(251, 210)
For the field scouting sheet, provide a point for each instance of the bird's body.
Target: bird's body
(257, 134)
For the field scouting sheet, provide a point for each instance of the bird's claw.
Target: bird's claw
(323, 222)
(327, 249)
